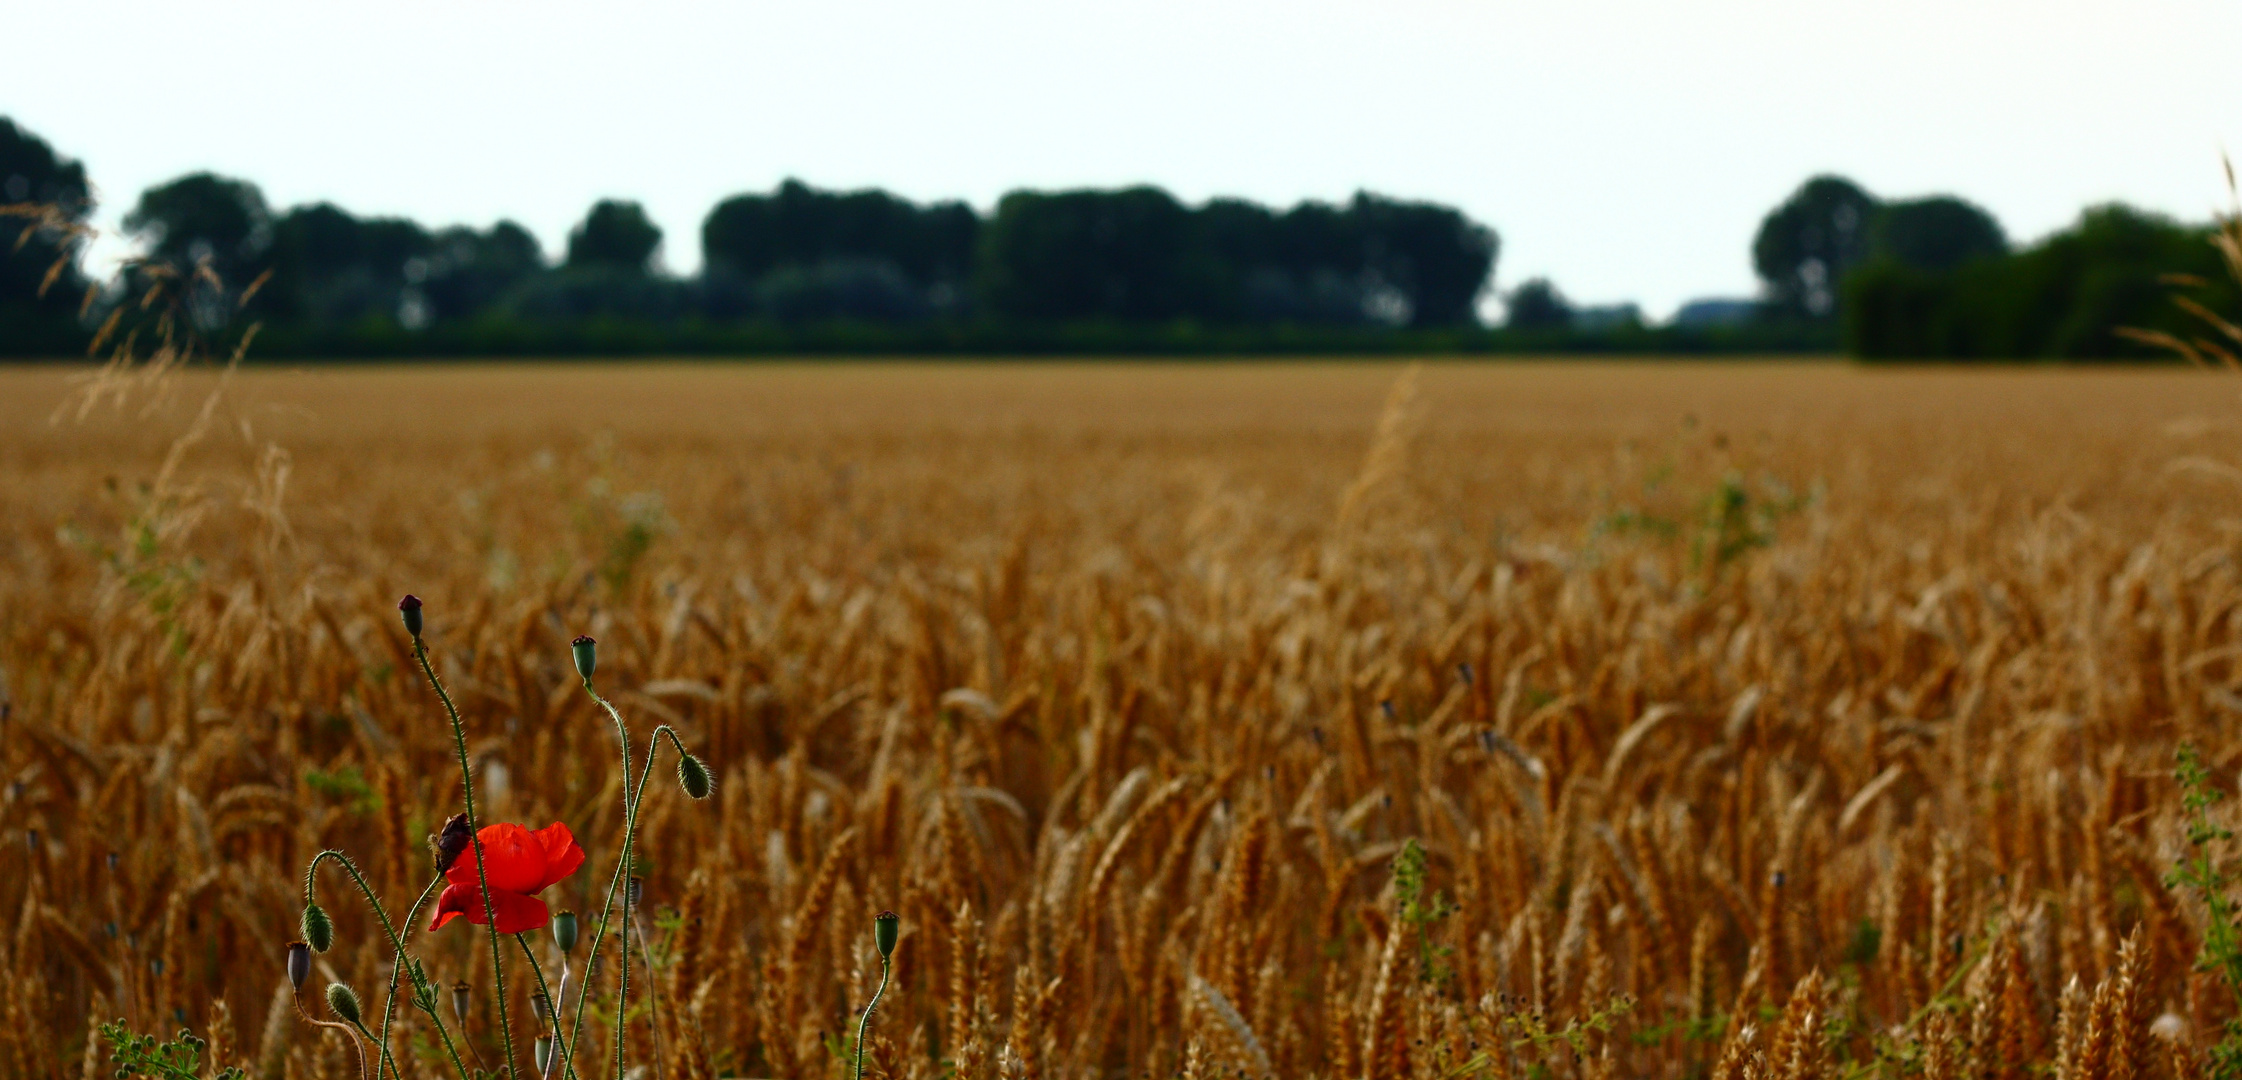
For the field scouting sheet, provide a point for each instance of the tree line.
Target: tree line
(1127, 270)
(793, 255)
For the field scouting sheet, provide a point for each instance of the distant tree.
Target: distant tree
(1806, 246)
(2064, 296)
(330, 266)
(1436, 258)
(1936, 233)
(466, 272)
(615, 234)
(1124, 255)
(35, 178)
(204, 217)
(1537, 305)
(799, 227)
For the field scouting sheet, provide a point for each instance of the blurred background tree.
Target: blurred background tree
(1536, 305)
(1807, 245)
(616, 233)
(37, 301)
(1936, 233)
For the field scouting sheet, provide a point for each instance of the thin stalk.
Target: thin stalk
(630, 830)
(631, 798)
(389, 1007)
(311, 874)
(653, 989)
(449, 1048)
(482, 873)
(568, 1068)
(864, 1024)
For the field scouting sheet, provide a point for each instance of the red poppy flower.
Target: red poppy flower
(521, 864)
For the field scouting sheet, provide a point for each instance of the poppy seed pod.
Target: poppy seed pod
(638, 891)
(564, 931)
(299, 964)
(344, 1001)
(885, 926)
(587, 654)
(542, 1007)
(459, 999)
(544, 1055)
(452, 841)
(319, 931)
(693, 776)
(409, 607)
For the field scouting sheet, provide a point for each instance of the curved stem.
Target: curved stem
(482, 873)
(631, 798)
(311, 874)
(630, 829)
(866, 1023)
(355, 1042)
(568, 1068)
(396, 967)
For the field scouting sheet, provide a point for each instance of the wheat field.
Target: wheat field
(1777, 720)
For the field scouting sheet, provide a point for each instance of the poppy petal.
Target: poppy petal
(454, 903)
(562, 854)
(514, 859)
(516, 913)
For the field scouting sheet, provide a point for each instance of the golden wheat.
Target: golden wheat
(1782, 721)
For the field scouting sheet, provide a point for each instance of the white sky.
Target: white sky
(1626, 148)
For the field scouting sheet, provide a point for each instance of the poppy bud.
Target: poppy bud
(587, 654)
(453, 840)
(544, 1055)
(299, 964)
(564, 931)
(318, 929)
(693, 776)
(885, 926)
(459, 999)
(409, 607)
(344, 1001)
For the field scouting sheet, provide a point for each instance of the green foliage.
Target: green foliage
(2201, 872)
(179, 1058)
(1737, 519)
(1867, 941)
(346, 785)
(1734, 518)
(1422, 912)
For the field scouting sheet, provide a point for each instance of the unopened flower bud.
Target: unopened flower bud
(409, 607)
(344, 1001)
(544, 1050)
(885, 926)
(453, 840)
(587, 654)
(564, 931)
(299, 964)
(319, 931)
(460, 992)
(693, 776)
